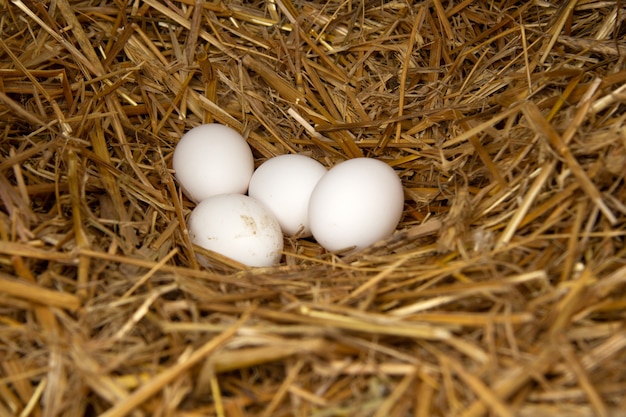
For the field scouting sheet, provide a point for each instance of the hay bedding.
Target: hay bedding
(502, 294)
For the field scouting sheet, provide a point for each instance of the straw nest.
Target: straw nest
(501, 294)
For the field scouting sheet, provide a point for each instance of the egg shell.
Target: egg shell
(284, 184)
(239, 227)
(212, 159)
(355, 204)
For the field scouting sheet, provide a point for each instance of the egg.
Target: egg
(239, 227)
(355, 204)
(212, 159)
(284, 184)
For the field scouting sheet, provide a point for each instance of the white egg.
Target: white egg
(284, 184)
(239, 227)
(355, 204)
(212, 159)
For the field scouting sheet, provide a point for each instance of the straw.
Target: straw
(501, 291)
